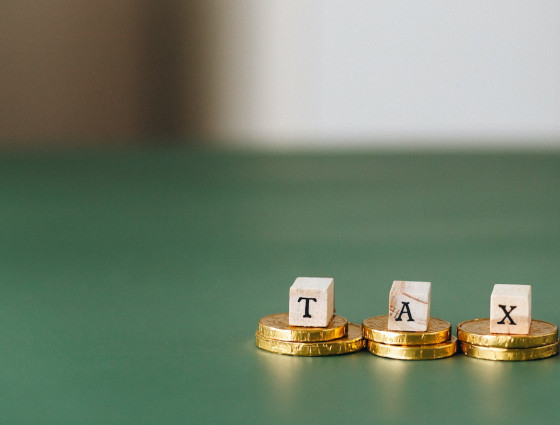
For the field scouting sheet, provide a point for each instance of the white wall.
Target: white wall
(326, 72)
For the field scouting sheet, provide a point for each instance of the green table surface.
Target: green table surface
(131, 282)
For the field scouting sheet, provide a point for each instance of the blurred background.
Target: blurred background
(280, 74)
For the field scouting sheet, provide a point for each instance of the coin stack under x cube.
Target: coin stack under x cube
(408, 332)
(509, 333)
(310, 328)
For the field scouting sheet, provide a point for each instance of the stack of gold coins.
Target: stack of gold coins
(274, 334)
(475, 340)
(435, 343)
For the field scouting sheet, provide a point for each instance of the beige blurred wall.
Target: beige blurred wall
(101, 71)
(391, 73)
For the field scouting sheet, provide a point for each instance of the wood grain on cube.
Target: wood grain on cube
(409, 306)
(311, 301)
(510, 309)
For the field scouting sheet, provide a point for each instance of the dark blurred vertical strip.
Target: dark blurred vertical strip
(200, 32)
(159, 47)
(176, 45)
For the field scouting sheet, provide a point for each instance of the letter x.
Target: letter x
(507, 316)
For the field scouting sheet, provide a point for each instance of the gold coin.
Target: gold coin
(477, 332)
(509, 354)
(276, 326)
(414, 352)
(375, 329)
(349, 344)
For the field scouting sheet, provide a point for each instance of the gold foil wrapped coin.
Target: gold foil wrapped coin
(349, 344)
(375, 329)
(414, 352)
(477, 332)
(276, 326)
(509, 354)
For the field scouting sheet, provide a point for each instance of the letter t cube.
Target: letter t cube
(311, 301)
(510, 309)
(409, 306)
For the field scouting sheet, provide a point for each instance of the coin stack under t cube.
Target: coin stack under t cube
(509, 334)
(310, 328)
(408, 332)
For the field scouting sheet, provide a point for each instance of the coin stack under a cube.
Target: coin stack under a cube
(408, 332)
(310, 328)
(509, 334)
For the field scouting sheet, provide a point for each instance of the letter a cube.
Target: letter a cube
(311, 301)
(409, 306)
(510, 309)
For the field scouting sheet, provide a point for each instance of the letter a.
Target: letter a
(405, 309)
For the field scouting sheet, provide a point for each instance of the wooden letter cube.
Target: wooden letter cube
(510, 309)
(409, 306)
(311, 301)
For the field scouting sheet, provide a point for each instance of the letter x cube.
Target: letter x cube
(510, 309)
(409, 306)
(311, 301)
